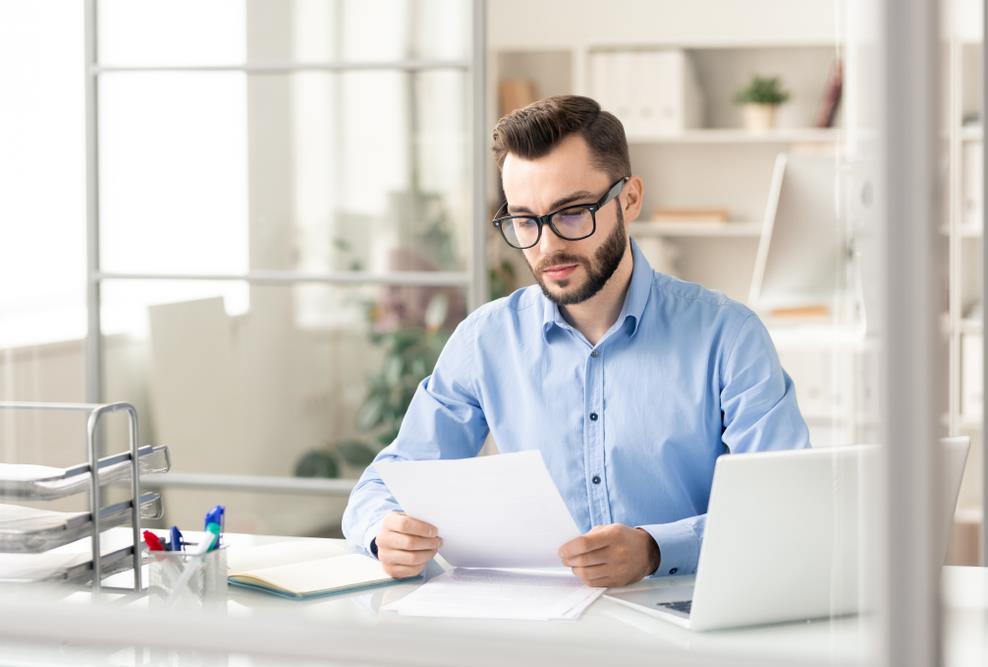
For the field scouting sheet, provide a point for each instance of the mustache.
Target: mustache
(561, 259)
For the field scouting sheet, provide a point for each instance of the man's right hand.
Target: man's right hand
(406, 545)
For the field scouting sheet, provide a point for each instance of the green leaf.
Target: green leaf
(371, 412)
(317, 463)
(393, 368)
(388, 437)
(356, 453)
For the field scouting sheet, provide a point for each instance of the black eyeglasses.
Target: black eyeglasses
(572, 223)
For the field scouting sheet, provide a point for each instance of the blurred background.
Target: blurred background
(259, 220)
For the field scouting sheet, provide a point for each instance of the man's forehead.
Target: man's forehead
(541, 181)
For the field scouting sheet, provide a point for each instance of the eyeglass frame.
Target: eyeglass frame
(541, 220)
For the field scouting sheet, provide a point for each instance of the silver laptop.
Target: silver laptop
(787, 538)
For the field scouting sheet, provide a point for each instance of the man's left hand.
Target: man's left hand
(612, 555)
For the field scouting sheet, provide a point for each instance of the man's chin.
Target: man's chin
(560, 292)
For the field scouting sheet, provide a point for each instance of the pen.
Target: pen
(214, 523)
(176, 541)
(154, 544)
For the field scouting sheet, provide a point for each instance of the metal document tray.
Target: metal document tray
(31, 482)
(30, 530)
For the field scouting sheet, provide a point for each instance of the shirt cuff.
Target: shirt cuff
(679, 547)
(370, 536)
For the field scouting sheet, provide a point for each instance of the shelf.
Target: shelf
(966, 422)
(689, 228)
(742, 136)
(970, 326)
(965, 231)
(971, 133)
(965, 326)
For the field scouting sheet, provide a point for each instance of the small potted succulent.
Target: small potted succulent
(759, 98)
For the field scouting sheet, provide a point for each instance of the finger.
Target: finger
(402, 571)
(584, 544)
(596, 557)
(408, 558)
(599, 576)
(406, 524)
(405, 542)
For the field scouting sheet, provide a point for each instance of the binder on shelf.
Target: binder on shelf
(653, 92)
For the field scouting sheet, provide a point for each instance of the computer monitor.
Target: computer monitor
(802, 254)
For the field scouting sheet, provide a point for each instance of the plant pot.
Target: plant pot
(759, 117)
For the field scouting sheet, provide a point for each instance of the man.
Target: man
(630, 382)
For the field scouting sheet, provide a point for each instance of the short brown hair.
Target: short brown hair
(534, 130)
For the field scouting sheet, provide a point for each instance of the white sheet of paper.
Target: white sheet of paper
(491, 511)
(478, 593)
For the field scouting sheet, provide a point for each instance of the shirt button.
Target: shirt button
(593, 416)
(674, 570)
(595, 353)
(596, 479)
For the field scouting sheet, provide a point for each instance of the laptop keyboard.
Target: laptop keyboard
(683, 606)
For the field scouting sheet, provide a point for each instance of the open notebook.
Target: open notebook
(302, 569)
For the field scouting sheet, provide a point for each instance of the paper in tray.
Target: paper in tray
(31, 530)
(36, 482)
(61, 566)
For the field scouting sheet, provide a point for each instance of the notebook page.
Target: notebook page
(282, 553)
(326, 574)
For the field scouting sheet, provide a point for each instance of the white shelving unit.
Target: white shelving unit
(963, 117)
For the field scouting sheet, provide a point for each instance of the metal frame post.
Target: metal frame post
(908, 170)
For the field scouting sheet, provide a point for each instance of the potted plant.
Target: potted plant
(759, 98)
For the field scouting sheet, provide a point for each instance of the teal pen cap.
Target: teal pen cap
(217, 517)
(213, 532)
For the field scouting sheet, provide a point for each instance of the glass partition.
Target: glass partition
(287, 227)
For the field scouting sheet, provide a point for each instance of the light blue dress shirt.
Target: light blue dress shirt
(629, 429)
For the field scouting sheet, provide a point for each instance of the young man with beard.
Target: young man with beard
(630, 382)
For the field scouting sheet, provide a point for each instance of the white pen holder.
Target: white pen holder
(183, 578)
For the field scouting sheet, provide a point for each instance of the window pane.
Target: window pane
(42, 196)
(363, 170)
(269, 389)
(196, 32)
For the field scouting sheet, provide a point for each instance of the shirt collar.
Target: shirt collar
(634, 300)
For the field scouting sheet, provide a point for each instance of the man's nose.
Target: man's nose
(549, 242)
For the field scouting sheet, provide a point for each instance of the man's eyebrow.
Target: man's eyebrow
(559, 203)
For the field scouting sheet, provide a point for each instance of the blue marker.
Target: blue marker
(176, 542)
(214, 523)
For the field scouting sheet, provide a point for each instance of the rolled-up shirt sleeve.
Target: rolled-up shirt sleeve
(444, 420)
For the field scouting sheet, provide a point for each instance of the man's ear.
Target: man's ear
(633, 194)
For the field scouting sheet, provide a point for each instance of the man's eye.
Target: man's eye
(573, 216)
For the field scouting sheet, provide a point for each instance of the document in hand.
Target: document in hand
(492, 512)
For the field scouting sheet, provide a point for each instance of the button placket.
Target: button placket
(595, 439)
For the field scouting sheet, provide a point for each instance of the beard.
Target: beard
(605, 262)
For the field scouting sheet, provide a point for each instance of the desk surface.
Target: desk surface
(628, 633)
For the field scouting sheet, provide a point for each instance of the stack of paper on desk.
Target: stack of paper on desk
(493, 513)
(478, 593)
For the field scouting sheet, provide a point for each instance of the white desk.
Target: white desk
(352, 628)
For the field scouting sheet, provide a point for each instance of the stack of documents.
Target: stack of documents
(491, 529)
(478, 593)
